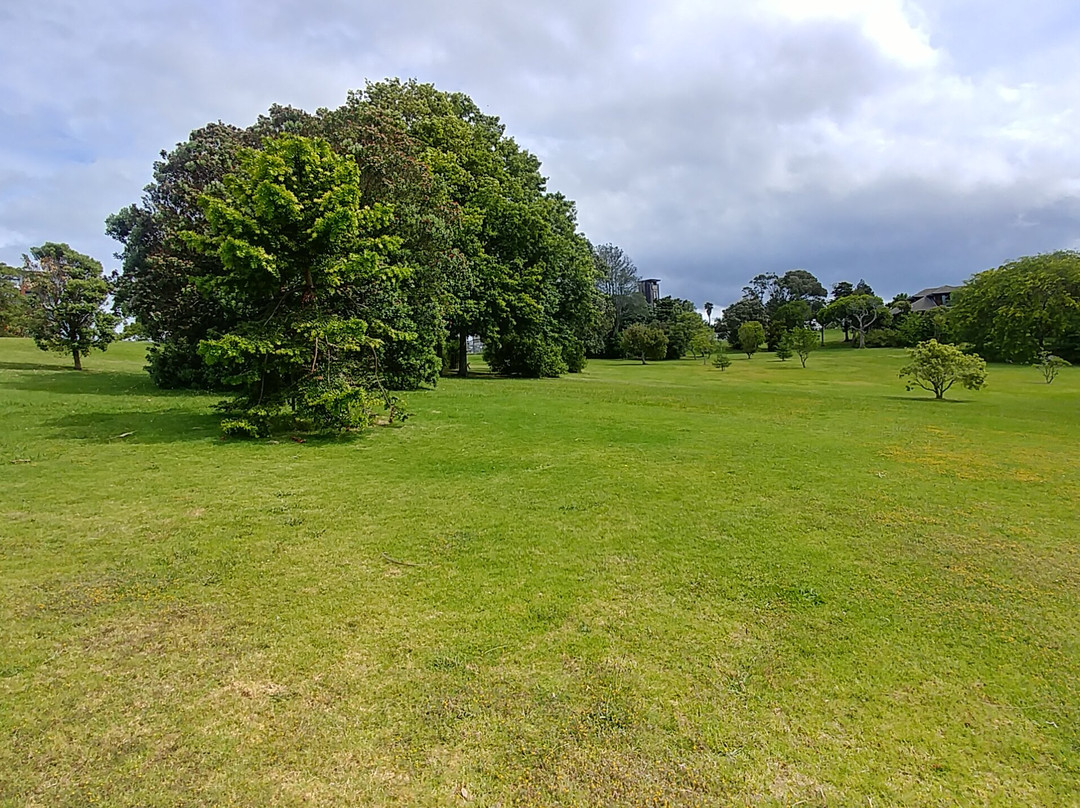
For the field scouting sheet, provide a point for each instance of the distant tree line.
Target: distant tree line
(669, 328)
(1021, 311)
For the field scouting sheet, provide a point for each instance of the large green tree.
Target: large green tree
(741, 311)
(160, 282)
(679, 321)
(66, 292)
(492, 252)
(1022, 308)
(525, 278)
(641, 341)
(312, 268)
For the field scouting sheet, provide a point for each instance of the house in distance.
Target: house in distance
(935, 297)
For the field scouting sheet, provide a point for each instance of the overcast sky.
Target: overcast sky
(908, 143)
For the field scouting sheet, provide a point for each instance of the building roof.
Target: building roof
(934, 290)
(924, 303)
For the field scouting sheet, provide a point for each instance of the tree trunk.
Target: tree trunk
(78, 359)
(463, 354)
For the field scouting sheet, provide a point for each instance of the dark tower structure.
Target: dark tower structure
(650, 288)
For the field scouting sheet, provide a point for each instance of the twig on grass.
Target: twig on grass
(399, 562)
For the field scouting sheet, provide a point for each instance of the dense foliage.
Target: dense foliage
(312, 272)
(1022, 308)
(14, 305)
(640, 341)
(491, 253)
(779, 302)
(65, 292)
(750, 337)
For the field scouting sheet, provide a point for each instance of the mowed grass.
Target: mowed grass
(658, 585)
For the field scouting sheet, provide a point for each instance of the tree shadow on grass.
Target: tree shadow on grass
(178, 425)
(136, 426)
(67, 381)
(928, 399)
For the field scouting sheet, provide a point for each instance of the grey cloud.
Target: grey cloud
(710, 147)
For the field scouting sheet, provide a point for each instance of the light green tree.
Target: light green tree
(1049, 365)
(312, 264)
(1022, 308)
(702, 344)
(802, 341)
(936, 367)
(751, 335)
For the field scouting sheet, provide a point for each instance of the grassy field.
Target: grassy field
(658, 585)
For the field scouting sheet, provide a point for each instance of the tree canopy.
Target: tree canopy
(1022, 308)
(490, 251)
(311, 269)
(65, 292)
(859, 311)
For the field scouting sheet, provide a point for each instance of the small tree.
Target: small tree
(722, 360)
(1050, 365)
(802, 342)
(65, 293)
(643, 342)
(702, 344)
(751, 335)
(937, 367)
(783, 348)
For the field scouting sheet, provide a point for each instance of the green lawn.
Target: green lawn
(640, 585)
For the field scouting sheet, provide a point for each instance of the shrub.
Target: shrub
(884, 338)
(574, 356)
(525, 355)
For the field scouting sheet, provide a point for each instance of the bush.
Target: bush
(884, 338)
(177, 365)
(532, 356)
(240, 428)
(574, 356)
